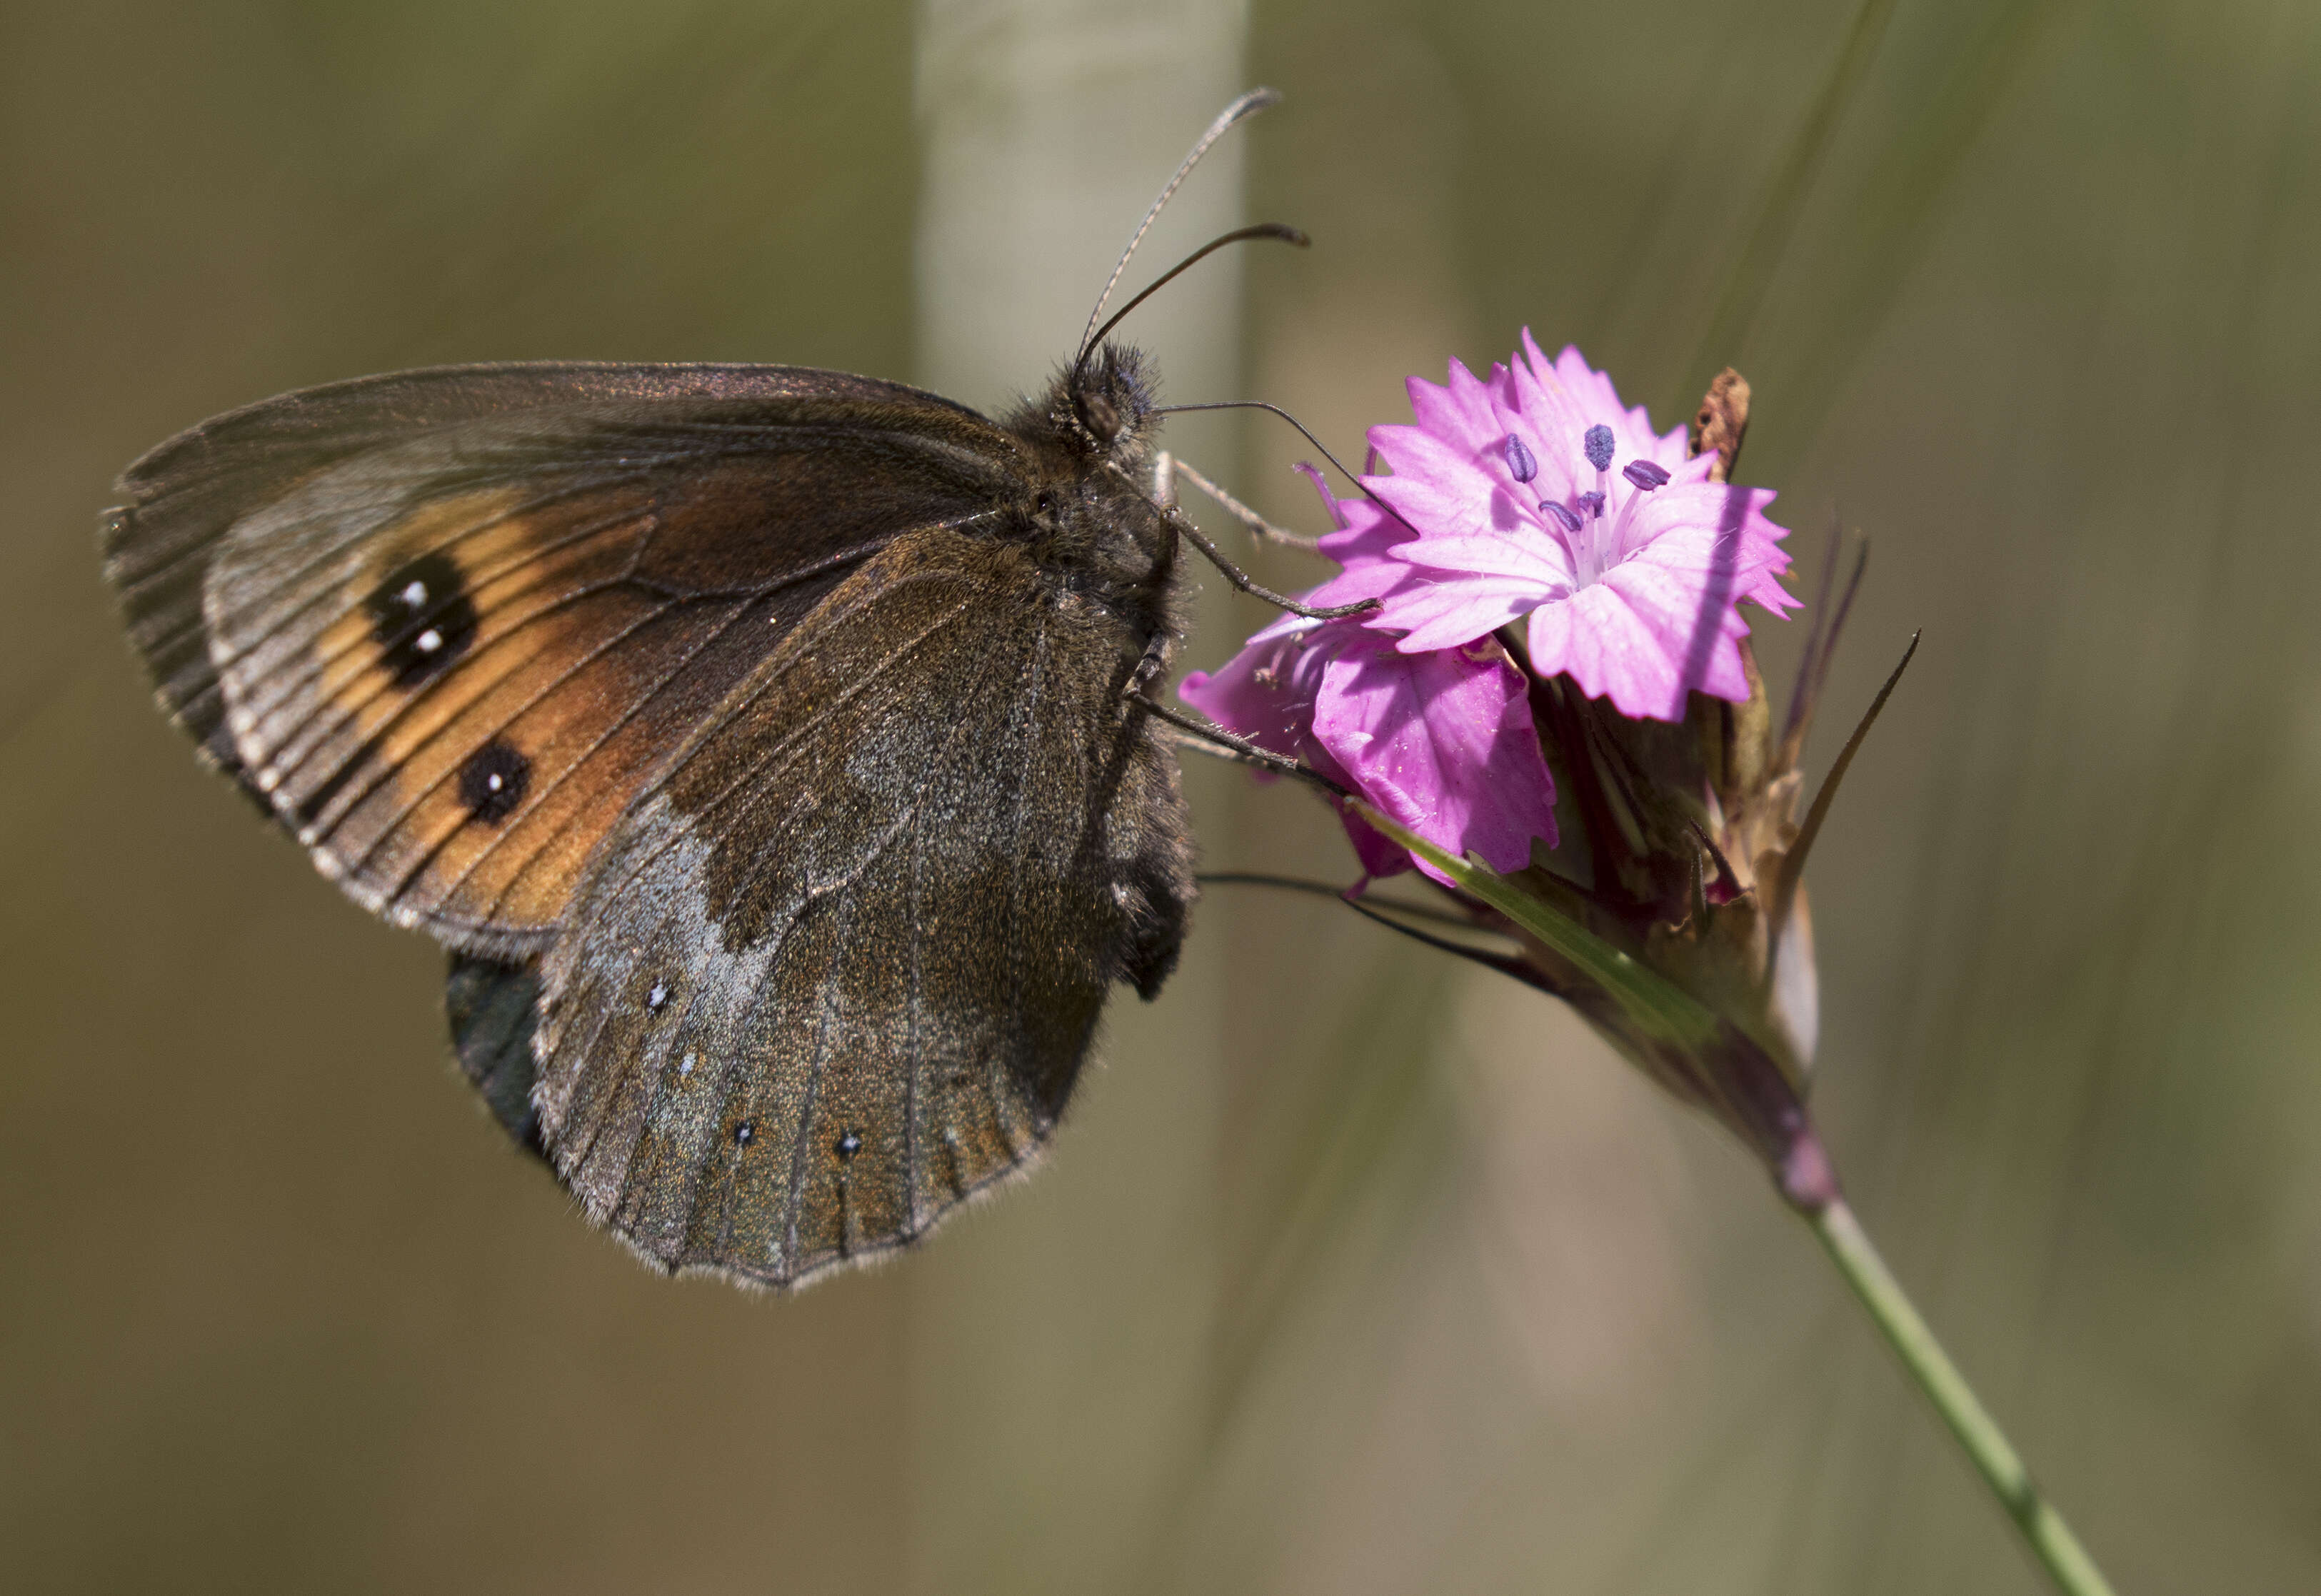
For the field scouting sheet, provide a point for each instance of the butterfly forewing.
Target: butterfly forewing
(452, 637)
(185, 495)
(839, 970)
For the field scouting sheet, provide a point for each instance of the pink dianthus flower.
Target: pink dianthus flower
(1535, 496)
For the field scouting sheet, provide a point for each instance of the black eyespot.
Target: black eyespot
(1045, 504)
(421, 618)
(494, 780)
(741, 1133)
(849, 1144)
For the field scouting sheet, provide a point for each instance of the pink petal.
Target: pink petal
(1437, 484)
(1258, 692)
(1612, 652)
(1461, 410)
(1364, 548)
(1531, 557)
(1444, 743)
(1445, 615)
(1697, 638)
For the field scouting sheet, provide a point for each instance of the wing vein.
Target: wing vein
(336, 548)
(451, 773)
(318, 665)
(548, 789)
(387, 773)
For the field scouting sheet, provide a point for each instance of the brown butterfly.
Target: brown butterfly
(767, 745)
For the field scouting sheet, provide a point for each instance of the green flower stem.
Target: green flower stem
(1660, 1008)
(2051, 1539)
(1664, 1012)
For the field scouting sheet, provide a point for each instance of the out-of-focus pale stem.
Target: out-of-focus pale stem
(2051, 1539)
(1047, 128)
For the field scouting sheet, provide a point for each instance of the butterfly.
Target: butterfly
(767, 746)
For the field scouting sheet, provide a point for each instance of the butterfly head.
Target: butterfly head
(1102, 407)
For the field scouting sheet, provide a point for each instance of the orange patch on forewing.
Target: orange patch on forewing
(497, 551)
(369, 759)
(463, 529)
(595, 745)
(349, 685)
(536, 689)
(586, 752)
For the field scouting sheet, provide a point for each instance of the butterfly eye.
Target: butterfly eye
(1100, 415)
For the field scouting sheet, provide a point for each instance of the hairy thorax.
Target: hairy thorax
(1091, 523)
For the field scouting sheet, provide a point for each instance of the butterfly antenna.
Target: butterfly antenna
(1248, 106)
(1370, 465)
(1280, 230)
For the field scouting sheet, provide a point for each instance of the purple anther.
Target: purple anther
(1597, 441)
(1645, 474)
(1593, 503)
(1519, 460)
(1562, 513)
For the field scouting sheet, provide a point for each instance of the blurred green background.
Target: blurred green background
(1353, 1271)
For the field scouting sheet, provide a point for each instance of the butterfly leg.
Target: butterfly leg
(1218, 742)
(1154, 664)
(1165, 471)
(1161, 646)
(1241, 579)
(1259, 528)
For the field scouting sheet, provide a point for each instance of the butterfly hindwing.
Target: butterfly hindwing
(493, 1011)
(838, 970)
(452, 623)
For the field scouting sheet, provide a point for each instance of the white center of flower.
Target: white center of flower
(1594, 526)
